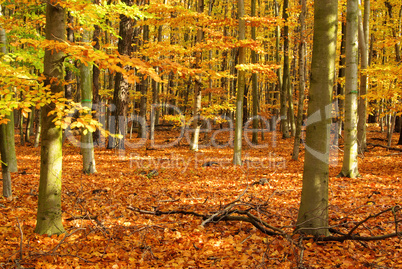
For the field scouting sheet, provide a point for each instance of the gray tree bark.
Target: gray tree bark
(241, 77)
(350, 165)
(87, 145)
(49, 217)
(313, 211)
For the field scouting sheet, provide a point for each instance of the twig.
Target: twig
(227, 208)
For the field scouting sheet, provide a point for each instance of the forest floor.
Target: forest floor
(102, 231)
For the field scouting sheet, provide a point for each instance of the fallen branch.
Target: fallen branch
(229, 213)
(382, 146)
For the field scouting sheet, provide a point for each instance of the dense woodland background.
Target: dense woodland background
(201, 133)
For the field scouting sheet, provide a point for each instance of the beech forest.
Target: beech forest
(201, 134)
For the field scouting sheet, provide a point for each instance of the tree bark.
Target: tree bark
(7, 191)
(9, 126)
(241, 77)
(302, 80)
(87, 145)
(364, 55)
(49, 216)
(350, 164)
(121, 86)
(286, 73)
(313, 211)
(254, 80)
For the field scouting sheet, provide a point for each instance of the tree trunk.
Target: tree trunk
(96, 86)
(391, 129)
(87, 146)
(38, 129)
(254, 80)
(364, 55)
(302, 79)
(350, 165)
(121, 86)
(7, 191)
(313, 211)
(49, 201)
(144, 89)
(241, 77)
(286, 73)
(340, 87)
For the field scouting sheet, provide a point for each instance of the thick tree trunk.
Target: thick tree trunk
(49, 217)
(350, 164)
(313, 212)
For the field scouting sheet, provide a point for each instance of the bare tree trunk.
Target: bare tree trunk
(286, 73)
(313, 211)
(302, 79)
(241, 86)
(350, 164)
(49, 216)
(364, 52)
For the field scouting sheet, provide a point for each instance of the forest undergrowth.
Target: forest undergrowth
(104, 232)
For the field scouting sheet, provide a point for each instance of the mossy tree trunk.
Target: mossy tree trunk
(49, 217)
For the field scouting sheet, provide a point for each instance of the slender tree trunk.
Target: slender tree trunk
(364, 55)
(9, 126)
(121, 86)
(391, 128)
(286, 73)
(302, 80)
(254, 80)
(9, 132)
(313, 211)
(7, 191)
(96, 86)
(197, 86)
(241, 76)
(340, 86)
(350, 167)
(87, 146)
(49, 201)
(144, 89)
(279, 70)
(69, 76)
(38, 129)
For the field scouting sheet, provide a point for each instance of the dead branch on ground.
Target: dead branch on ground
(231, 213)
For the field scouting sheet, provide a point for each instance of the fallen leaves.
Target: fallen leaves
(103, 233)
